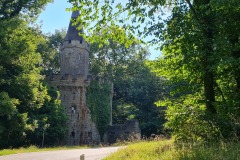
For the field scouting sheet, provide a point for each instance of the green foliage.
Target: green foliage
(37, 149)
(98, 100)
(167, 150)
(20, 78)
(49, 50)
(53, 115)
(140, 88)
(119, 21)
(11, 121)
(9, 9)
(123, 112)
(200, 45)
(135, 87)
(197, 65)
(188, 120)
(25, 105)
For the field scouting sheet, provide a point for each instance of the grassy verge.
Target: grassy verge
(36, 149)
(166, 150)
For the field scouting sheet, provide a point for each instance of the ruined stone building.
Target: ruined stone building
(128, 131)
(72, 83)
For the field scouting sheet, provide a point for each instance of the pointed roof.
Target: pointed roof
(72, 33)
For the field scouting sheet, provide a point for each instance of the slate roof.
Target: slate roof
(72, 33)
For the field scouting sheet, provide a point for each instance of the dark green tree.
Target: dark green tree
(26, 106)
(49, 50)
(200, 59)
(20, 77)
(9, 9)
(50, 120)
(135, 87)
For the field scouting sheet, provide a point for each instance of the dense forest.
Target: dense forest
(191, 92)
(200, 60)
(29, 108)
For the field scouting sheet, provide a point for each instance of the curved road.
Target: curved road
(74, 154)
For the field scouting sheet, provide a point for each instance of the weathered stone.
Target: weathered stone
(72, 82)
(128, 131)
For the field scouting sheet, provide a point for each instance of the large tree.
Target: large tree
(50, 52)
(135, 87)
(10, 9)
(200, 59)
(20, 78)
(25, 104)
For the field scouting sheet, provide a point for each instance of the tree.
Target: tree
(135, 87)
(25, 101)
(200, 56)
(20, 77)
(49, 50)
(50, 120)
(9, 9)
(141, 89)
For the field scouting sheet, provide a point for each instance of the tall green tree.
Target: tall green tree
(20, 77)
(135, 87)
(10, 9)
(50, 121)
(199, 41)
(27, 104)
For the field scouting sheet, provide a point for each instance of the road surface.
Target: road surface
(74, 154)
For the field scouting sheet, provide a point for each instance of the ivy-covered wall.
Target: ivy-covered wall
(98, 100)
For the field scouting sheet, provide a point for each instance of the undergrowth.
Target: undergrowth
(167, 150)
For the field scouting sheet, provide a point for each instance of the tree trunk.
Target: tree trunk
(237, 76)
(205, 20)
(209, 92)
(236, 55)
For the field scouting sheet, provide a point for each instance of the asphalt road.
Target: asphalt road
(74, 154)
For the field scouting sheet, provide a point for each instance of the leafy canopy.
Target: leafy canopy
(200, 44)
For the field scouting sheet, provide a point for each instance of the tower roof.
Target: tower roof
(73, 33)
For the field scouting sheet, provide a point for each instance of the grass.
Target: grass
(157, 150)
(166, 150)
(149, 150)
(37, 149)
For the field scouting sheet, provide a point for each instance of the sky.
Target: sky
(56, 17)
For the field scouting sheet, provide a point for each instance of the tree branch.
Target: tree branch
(191, 7)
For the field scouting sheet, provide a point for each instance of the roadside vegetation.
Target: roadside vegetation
(167, 150)
(37, 149)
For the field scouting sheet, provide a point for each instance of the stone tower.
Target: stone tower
(72, 83)
(74, 52)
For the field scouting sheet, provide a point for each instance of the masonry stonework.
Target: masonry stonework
(127, 131)
(72, 83)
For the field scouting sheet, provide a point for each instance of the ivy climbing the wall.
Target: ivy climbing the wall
(98, 101)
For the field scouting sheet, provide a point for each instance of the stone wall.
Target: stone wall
(81, 128)
(74, 58)
(123, 132)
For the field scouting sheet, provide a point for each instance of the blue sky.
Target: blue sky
(55, 17)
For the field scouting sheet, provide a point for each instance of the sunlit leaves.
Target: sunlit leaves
(130, 15)
(20, 79)
(9, 9)
(194, 48)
